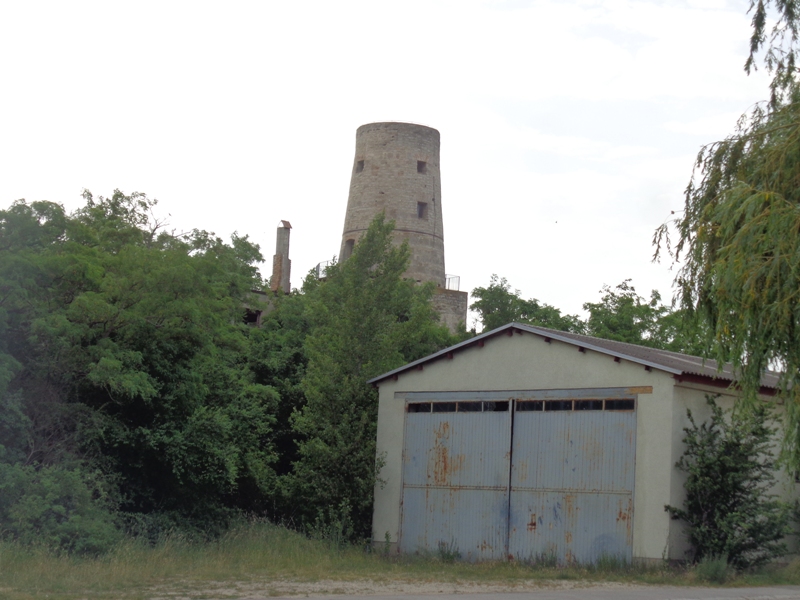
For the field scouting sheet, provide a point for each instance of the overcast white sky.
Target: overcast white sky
(568, 127)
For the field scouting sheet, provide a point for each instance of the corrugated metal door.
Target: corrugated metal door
(547, 475)
(572, 481)
(455, 479)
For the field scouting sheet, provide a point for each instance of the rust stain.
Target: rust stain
(510, 557)
(569, 506)
(532, 523)
(625, 515)
(522, 470)
(443, 464)
(568, 558)
(642, 389)
(624, 512)
(568, 537)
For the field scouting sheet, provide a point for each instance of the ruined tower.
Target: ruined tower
(281, 265)
(396, 171)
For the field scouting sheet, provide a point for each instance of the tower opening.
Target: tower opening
(359, 166)
(252, 317)
(422, 166)
(348, 249)
(422, 210)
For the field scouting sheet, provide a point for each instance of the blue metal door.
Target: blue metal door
(572, 484)
(539, 475)
(455, 479)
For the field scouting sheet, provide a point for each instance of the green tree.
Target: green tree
(130, 355)
(621, 315)
(779, 45)
(625, 316)
(278, 359)
(729, 508)
(66, 508)
(365, 320)
(498, 305)
(741, 251)
(738, 234)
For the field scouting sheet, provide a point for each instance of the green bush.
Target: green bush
(714, 569)
(332, 526)
(729, 509)
(62, 508)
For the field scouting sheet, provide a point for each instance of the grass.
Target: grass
(267, 555)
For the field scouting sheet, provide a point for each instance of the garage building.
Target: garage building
(531, 443)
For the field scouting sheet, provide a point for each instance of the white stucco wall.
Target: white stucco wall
(525, 361)
(693, 397)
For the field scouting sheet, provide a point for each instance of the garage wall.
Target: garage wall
(693, 397)
(524, 361)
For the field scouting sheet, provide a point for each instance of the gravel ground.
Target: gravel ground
(400, 590)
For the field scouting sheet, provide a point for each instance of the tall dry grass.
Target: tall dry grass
(262, 552)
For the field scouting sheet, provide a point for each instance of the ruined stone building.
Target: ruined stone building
(281, 265)
(396, 171)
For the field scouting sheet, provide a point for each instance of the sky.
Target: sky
(568, 127)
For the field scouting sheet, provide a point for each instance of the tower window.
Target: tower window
(348, 249)
(359, 166)
(422, 210)
(422, 166)
(252, 317)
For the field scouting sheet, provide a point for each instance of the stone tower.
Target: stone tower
(396, 170)
(281, 265)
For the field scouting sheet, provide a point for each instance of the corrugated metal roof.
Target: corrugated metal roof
(672, 362)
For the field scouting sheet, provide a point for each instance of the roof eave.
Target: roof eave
(614, 353)
(530, 329)
(435, 355)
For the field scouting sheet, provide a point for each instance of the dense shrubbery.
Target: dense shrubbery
(64, 508)
(730, 511)
(134, 398)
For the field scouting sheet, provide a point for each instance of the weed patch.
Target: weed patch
(275, 561)
(448, 553)
(714, 569)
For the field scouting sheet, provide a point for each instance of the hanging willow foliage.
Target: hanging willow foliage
(739, 241)
(778, 44)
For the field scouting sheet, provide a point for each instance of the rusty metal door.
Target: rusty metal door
(572, 480)
(542, 474)
(455, 478)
